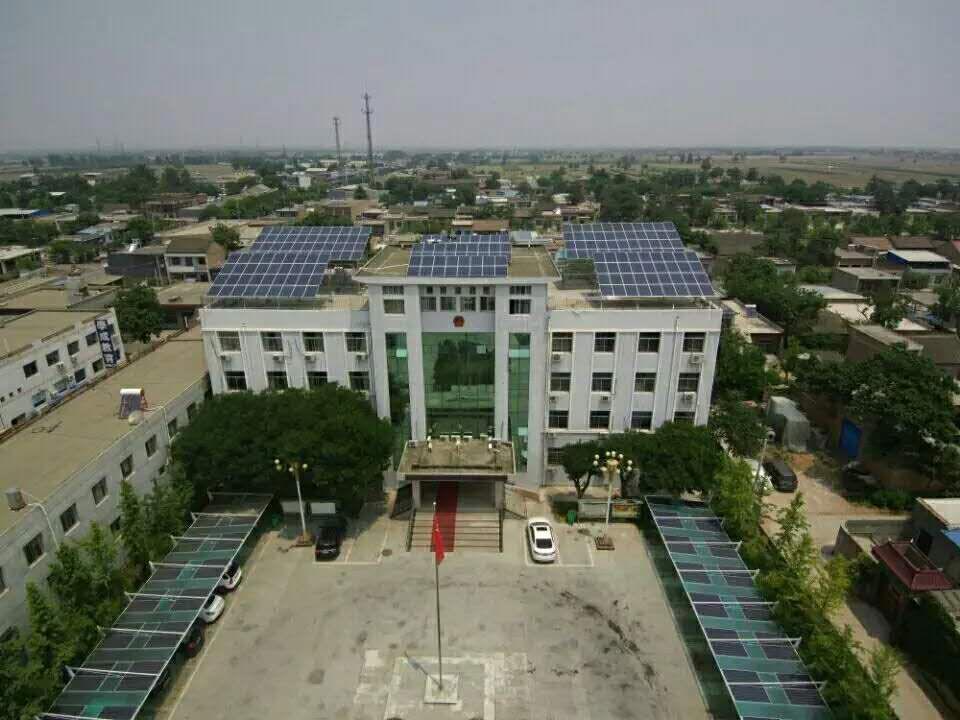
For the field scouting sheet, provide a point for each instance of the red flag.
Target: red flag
(437, 540)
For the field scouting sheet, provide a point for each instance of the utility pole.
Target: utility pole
(336, 134)
(368, 112)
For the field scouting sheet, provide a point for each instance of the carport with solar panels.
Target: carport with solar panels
(117, 678)
(762, 670)
(637, 260)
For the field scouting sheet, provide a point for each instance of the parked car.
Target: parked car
(763, 484)
(543, 543)
(212, 609)
(193, 643)
(161, 683)
(231, 578)
(782, 475)
(327, 546)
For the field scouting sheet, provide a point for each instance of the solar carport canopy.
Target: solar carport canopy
(117, 677)
(760, 667)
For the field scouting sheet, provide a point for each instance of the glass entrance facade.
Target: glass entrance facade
(398, 377)
(518, 389)
(458, 376)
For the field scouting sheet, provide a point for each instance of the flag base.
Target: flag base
(448, 695)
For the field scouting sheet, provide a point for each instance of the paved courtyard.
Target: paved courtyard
(590, 637)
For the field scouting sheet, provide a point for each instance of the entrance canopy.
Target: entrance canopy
(453, 459)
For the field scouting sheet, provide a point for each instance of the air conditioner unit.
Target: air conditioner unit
(361, 356)
(696, 359)
(687, 399)
(554, 399)
(74, 360)
(556, 357)
(605, 398)
(310, 358)
(278, 359)
(61, 367)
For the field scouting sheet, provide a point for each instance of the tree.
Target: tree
(679, 458)
(360, 193)
(739, 426)
(139, 314)
(947, 307)
(228, 237)
(741, 368)
(736, 499)
(234, 439)
(135, 536)
(577, 461)
(139, 228)
(889, 308)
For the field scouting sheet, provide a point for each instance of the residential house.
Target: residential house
(138, 264)
(864, 280)
(843, 257)
(195, 257)
(760, 331)
(927, 263)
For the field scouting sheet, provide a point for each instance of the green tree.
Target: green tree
(889, 308)
(140, 228)
(741, 368)
(228, 237)
(139, 313)
(736, 499)
(135, 535)
(947, 307)
(739, 426)
(679, 458)
(577, 462)
(360, 193)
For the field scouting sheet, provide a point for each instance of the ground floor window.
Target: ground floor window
(641, 420)
(316, 378)
(360, 381)
(599, 419)
(683, 416)
(235, 379)
(277, 379)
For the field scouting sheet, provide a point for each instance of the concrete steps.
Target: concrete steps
(475, 530)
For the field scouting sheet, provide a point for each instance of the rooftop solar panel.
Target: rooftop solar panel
(458, 266)
(289, 274)
(337, 242)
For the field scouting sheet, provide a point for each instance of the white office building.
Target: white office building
(508, 348)
(47, 354)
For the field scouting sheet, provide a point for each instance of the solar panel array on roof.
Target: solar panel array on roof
(761, 668)
(638, 260)
(458, 266)
(116, 678)
(337, 242)
(289, 274)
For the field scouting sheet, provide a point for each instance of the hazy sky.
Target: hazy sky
(189, 73)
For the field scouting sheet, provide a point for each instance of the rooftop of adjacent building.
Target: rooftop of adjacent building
(748, 321)
(860, 313)
(946, 510)
(887, 337)
(19, 332)
(919, 256)
(867, 273)
(48, 298)
(832, 294)
(183, 293)
(43, 455)
(12, 252)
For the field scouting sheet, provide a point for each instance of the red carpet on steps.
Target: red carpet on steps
(447, 513)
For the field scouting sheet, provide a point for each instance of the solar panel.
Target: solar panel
(458, 266)
(337, 242)
(669, 273)
(291, 274)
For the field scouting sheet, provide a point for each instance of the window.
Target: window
(53, 358)
(99, 491)
(562, 342)
(316, 378)
(176, 260)
(80, 375)
(68, 518)
(428, 303)
(554, 456)
(693, 342)
(488, 303)
(191, 411)
(229, 341)
(313, 342)
(648, 342)
(644, 382)
(236, 380)
(91, 339)
(39, 398)
(393, 290)
(356, 342)
(115, 525)
(151, 446)
(393, 306)
(448, 303)
(73, 347)
(126, 466)
(604, 342)
(602, 382)
(599, 419)
(172, 427)
(560, 382)
(520, 290)
(688, 382)
(428, 289)
(468, 303)
(33, 550)
(61, 384)
(30, 369)
(519, 307)
(272, 341)
(683, 416)
(97, 366)
(558, 419)
(641, 420)
(276, 380)
(360, 381)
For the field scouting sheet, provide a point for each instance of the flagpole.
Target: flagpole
(436, 567)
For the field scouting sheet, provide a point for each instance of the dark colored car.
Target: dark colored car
(193, 642)
(327, 546)
(781, 475)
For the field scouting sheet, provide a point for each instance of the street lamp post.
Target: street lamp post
(294, 469)
(35, 504)
(610, 468)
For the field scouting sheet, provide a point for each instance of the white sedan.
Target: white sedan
(212, 609)
(231, 578)
(543, 543)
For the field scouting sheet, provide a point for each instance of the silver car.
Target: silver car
(543, 543)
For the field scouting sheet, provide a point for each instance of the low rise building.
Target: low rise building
(69, 464)
(47, 354)
(843, 257)
(865, 280)
(14, 257)
(181, 303)
(868, 340)
(138, 264)
(760, 331)
(193, 257)
(919, 262)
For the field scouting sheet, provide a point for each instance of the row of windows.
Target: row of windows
(600, 419)
(606, 342)
(229, 341)
(642, 382)
(236, 380)
(53, 357)
(457, 290)
(450, 303)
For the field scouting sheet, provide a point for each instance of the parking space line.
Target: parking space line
(559, 561)
(344, 559)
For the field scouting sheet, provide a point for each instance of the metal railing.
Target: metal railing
(501, 529)
(413, 517)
